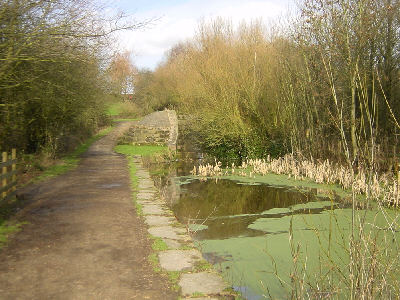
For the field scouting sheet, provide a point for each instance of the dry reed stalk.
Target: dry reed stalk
(383, 187)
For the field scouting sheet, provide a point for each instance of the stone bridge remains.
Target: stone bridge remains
(157, 128)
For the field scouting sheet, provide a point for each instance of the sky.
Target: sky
(177, 20)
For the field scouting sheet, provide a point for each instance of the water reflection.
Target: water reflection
(227, 208)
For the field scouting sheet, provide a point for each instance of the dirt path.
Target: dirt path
(84, 239)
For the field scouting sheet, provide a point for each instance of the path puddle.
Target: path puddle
(109, 185)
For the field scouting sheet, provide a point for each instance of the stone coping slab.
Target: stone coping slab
(147, 182)
(146, 188)
(179, 260)
(149, 202)
(168, 232)
(162, 224)
(203, 298)
(146, 195)
(180, 230)
(206, 283)
(152, 209)
(172, 244)
(142, 174)
(158, 220)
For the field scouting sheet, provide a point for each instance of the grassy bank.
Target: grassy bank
(114, 109)
(142, 150)
(71, 160)
(126, 119)
(122, 110)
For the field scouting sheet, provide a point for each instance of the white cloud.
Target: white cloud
(179, 22)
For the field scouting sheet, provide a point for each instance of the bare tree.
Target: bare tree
(51, 69)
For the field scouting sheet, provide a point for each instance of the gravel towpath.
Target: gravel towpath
(83, 239)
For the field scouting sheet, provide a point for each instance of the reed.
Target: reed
(379, 187)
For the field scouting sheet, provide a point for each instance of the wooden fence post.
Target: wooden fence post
(14, 167)
(4, 172)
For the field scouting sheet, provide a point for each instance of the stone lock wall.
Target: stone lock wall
(158, 128)
(140, 134)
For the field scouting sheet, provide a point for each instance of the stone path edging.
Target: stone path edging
(181, 255)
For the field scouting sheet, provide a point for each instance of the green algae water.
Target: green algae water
(276, 242)
(243, 229)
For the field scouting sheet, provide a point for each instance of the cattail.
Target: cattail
(382, 187)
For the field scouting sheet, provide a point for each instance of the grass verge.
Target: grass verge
(158, 244)
(125, 119)
(114, 109)
(174, 277)
(71, 161)
(129, 151)
(134, 184)
(143, 150)
(123, 109)
(154, 261)
(6, 229)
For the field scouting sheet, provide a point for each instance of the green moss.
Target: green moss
(6, 229)
(159, 245)
(139, 208)
(186, 247)
(126, 119)
(173, 277)
(202, 266)
(322, 240)
(134, 185)
(132, 173)
(143, 150)
(154, 261)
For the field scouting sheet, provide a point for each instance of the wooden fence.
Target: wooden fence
(8, 175)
